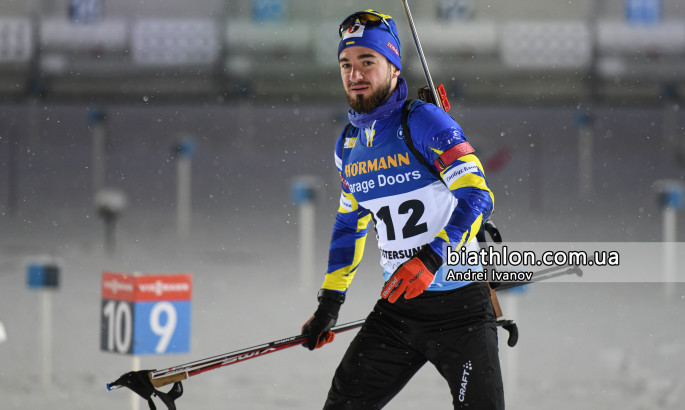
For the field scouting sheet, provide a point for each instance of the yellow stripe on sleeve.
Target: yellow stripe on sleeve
(472, 158)
(470, 180)
(473, 230)
(437, 151)
(340, 279)
(443, 235)
(347, 203)
(475, 227)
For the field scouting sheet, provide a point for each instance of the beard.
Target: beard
(361, 105)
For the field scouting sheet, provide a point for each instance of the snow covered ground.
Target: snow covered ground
(589, 346)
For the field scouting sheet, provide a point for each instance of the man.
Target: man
(422, 315)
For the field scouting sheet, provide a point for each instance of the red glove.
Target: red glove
(413, 276)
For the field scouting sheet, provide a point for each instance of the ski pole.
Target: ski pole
(146, 382)
(436, 96)
(509, 325)
(544, 274)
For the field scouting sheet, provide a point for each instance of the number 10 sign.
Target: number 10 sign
(145, 314)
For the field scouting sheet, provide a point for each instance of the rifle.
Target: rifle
(429, 93)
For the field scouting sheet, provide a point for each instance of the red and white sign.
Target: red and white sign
(145, 288)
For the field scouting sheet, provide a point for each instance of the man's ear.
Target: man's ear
(395, 71)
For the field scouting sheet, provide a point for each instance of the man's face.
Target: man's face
(368, 77)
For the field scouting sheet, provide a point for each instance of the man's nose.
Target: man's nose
(355, 75)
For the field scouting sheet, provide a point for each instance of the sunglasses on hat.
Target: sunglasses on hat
(364, 18)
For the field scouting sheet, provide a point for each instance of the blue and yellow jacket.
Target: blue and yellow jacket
(383, 181)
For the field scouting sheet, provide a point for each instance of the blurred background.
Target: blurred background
(99, 93)
(495, 51)
(167, 136)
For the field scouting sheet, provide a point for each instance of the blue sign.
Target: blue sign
(42, 276)
(86, 11)
(303, 191)
(162, 327)
(456, 10)
(644, 11)
(268, 10)
(184, 148)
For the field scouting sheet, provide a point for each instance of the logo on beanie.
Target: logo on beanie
(393, 48)
(356, 30)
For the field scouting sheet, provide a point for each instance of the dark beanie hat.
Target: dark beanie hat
(373, 30)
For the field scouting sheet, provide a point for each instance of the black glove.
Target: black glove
(318, 327)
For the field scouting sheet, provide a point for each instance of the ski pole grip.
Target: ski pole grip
(164, 380)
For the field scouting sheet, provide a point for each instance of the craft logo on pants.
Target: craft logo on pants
(465, 380)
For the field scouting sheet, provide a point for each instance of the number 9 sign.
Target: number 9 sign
(145, 314)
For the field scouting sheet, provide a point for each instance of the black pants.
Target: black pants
(454, 330)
